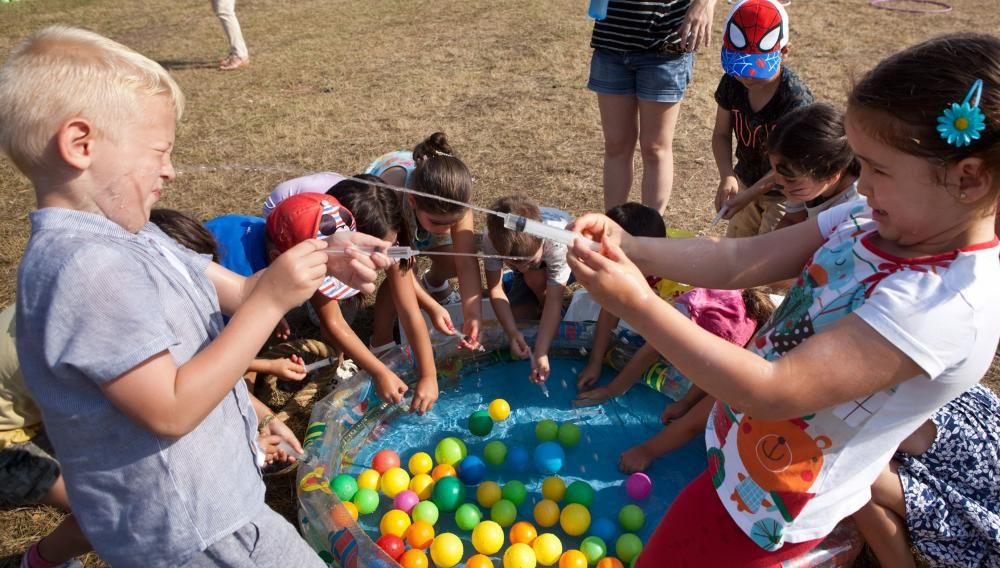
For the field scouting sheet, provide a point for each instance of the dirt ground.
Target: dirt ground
(333, 85)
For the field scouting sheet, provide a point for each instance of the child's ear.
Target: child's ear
(786, 50)
(75, 142)
(411, 201)
(974, 180)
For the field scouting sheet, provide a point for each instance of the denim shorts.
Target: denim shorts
(655, 77)
(27, 471)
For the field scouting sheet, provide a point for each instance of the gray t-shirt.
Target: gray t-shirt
(846, 196)
(94, 301)
(553, 254)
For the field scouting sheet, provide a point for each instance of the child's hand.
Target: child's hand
(390, 388)
(588, 376)
(289, 369)
(674, 410)
(357, 269)
(599, 228)
(425, 395)
(282, 331)
(470, 335)
(539, 369)
(611, 278)
(294, 276)
(597, 396)
(442, 320)
(519, 347)
(271, 446)
(278, 429)
(728, 187)
(738, 201)
(635, 459)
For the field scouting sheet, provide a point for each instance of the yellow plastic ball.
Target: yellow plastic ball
(394, 522)
(422, 485)
(369, 479)
(499, 409)
(447, 550)
(352, 509)
(548, 548)
(479, 561)
(420, 462)
(574, 519)
(553, 488)
(546, 513)
(487, 537)
(394, 481)
(523, 532)
(488, 493)
(519, 555)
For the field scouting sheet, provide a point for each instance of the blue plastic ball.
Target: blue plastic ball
(472, 470)
(517, 458)
(549, 457)
(604, 528)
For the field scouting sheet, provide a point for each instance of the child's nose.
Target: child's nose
(169, 173)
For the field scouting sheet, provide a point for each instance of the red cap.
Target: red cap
(307, 216)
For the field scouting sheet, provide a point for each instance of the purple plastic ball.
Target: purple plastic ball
(406, 501)
(638, 486)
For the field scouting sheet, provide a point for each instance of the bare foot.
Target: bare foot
(674, 410)
(233, 62)
(635, 459)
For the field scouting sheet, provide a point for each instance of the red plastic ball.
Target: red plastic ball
(392, 545)
(385, 460)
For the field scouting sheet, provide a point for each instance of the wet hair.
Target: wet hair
(811, 140)
(186, 230)
(638, 220)
(899, 101)
(376, 210)
(513, 243)
(439, 172)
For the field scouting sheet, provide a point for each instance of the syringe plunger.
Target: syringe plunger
(541, 230)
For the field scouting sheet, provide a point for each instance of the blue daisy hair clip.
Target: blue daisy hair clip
(960, 124)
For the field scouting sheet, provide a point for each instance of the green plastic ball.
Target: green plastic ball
(366, 500)
(631, 518)
(425, 511)
(461, 447)
(344, 486)
(569, 435)
(480, 423)
(467, 517)
(515, 492)
(546, 430)
(594, 549)
(503, 513)
(448, 451)
(448, 493)
(580, 492)
(495, 452)
(627, 547)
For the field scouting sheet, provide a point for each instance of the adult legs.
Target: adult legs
(619, 121)
(225, 10)
(657, 122)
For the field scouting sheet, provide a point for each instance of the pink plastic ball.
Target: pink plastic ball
(638, 486)
(406, 501)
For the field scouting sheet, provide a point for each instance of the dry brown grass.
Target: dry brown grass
(334, 84)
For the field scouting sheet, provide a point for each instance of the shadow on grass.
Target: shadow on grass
(176, 64)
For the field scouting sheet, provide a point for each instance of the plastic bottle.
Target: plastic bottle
(598, 9)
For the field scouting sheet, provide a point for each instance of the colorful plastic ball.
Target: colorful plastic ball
(392, 545)
(580, 492)
(480, 423)
(610, 562)
(420, 462)
(366, 501)
(448, 493)
(572, 559)
(503, 512)
(487, 537)
(461, 448)
(394, 481)
(548, 548)
(420, 535)
(344, 486)
(479, 561)
(604, 528)
(447, 550)
(394, 522)
(427, 512)
(472, 470)
(422, 484)
(448, 452)
(499, 409)
(352, 509)
(546, 430)
(413, 559)
(549, 457)
(631, 518)
(488, 493)
(574, 519)
(523, 532)
(594, 549)
(517, 459)
(546, 513)
(495, 452)
(406, 500)
(443, 470)
(627, 547)
(569, 434)
(638, 486)
(385, 460)
(515, 492)
(519, 555)
(369, 479)
(553, 488)
(468, 516)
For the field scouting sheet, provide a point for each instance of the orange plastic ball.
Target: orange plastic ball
(443, 470)
(352, 509)
(523, 532)
(610, 562)
(420, 535)
(413, 559)
(479, 561)
(572, 559)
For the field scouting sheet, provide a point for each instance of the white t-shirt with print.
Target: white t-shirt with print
(553, 253)
(794, 480)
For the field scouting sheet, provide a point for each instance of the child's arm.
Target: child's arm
(438, 314)
(745, 197)
(722, 150)
(501, 307)
(402, 287)
(547, 328)
(469, 285)
(275, 430)
(606, 324)
(673, 436)
(792, 218)
(171, 401)
(287, 368)
(628, 376)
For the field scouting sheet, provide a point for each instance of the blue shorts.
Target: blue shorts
(654, 77)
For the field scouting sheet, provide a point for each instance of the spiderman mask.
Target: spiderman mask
(753, 37)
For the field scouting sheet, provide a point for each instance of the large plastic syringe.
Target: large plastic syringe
(406, 253)
(543, 231)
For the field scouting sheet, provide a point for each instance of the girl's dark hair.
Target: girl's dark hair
(758, 305)
(185, 230)
(900, 100)
(376, 209)
(439, 172)
(638, 220)
(810, 140)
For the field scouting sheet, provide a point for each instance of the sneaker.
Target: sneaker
(233, 62)
(453, 296)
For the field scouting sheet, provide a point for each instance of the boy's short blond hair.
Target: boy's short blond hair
(61, 72)
(513, 243)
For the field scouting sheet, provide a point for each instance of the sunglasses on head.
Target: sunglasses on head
(328, 224)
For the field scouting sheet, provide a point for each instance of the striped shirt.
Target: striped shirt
(640, 26)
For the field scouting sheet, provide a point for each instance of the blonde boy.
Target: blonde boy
(120, 330)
